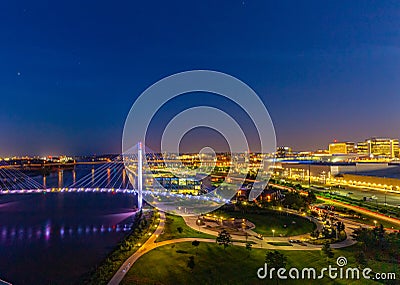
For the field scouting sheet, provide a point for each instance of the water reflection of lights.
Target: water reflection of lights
(48, 231)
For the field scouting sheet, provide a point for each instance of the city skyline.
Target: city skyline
(325, 148)
(70, 75)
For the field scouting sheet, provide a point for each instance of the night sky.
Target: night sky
(70, 71)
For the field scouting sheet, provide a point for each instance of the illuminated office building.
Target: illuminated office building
(363, 148)
(379, 147)
(284, 151)
(342, 148)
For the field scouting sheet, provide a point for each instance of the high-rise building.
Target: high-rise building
(284, 151)
(363, 148)
(341, 148)
(396, 148)
(379, 147)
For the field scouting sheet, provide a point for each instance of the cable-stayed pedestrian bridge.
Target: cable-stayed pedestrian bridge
(162, 180)
(125, 174)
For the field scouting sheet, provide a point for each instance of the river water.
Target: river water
(57, 238)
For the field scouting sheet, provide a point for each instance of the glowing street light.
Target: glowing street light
(273, 233)
(375, 222)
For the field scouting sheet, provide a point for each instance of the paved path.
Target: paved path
(147, 246)
(264, 243)
(143, 250)
(151, 243)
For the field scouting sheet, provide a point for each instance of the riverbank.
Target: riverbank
(143, 227)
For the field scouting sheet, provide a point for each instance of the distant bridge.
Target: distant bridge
(111, 190)
(116, 176)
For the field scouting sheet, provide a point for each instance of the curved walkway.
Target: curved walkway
(151, 244)
(147, 246)
(264, 243)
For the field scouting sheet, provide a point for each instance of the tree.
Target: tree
(224, 238)
(363, 236)
(360, 258)
(190, 264)
(196, 244)
(326, 232)
(294, 201)
(340, 226)
(315, 234)
(339, 229)
(379, 231)
(327, 251)
(275, 259)
(378, 243)
(180, 230)
(248, 247)
(144, 222)
(311, 198)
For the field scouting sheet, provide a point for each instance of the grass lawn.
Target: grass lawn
(235, 265)
(172, 224)
(275, 220)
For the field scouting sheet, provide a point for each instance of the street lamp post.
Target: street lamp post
(385, 198)
(198, 223)
(273, 233)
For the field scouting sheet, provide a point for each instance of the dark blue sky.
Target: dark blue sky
(70, 71)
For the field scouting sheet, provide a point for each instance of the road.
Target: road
(362, 210)
(391, 198)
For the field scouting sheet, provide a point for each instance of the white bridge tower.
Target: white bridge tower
(140, 176)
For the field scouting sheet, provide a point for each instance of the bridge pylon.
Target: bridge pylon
(140, 175)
